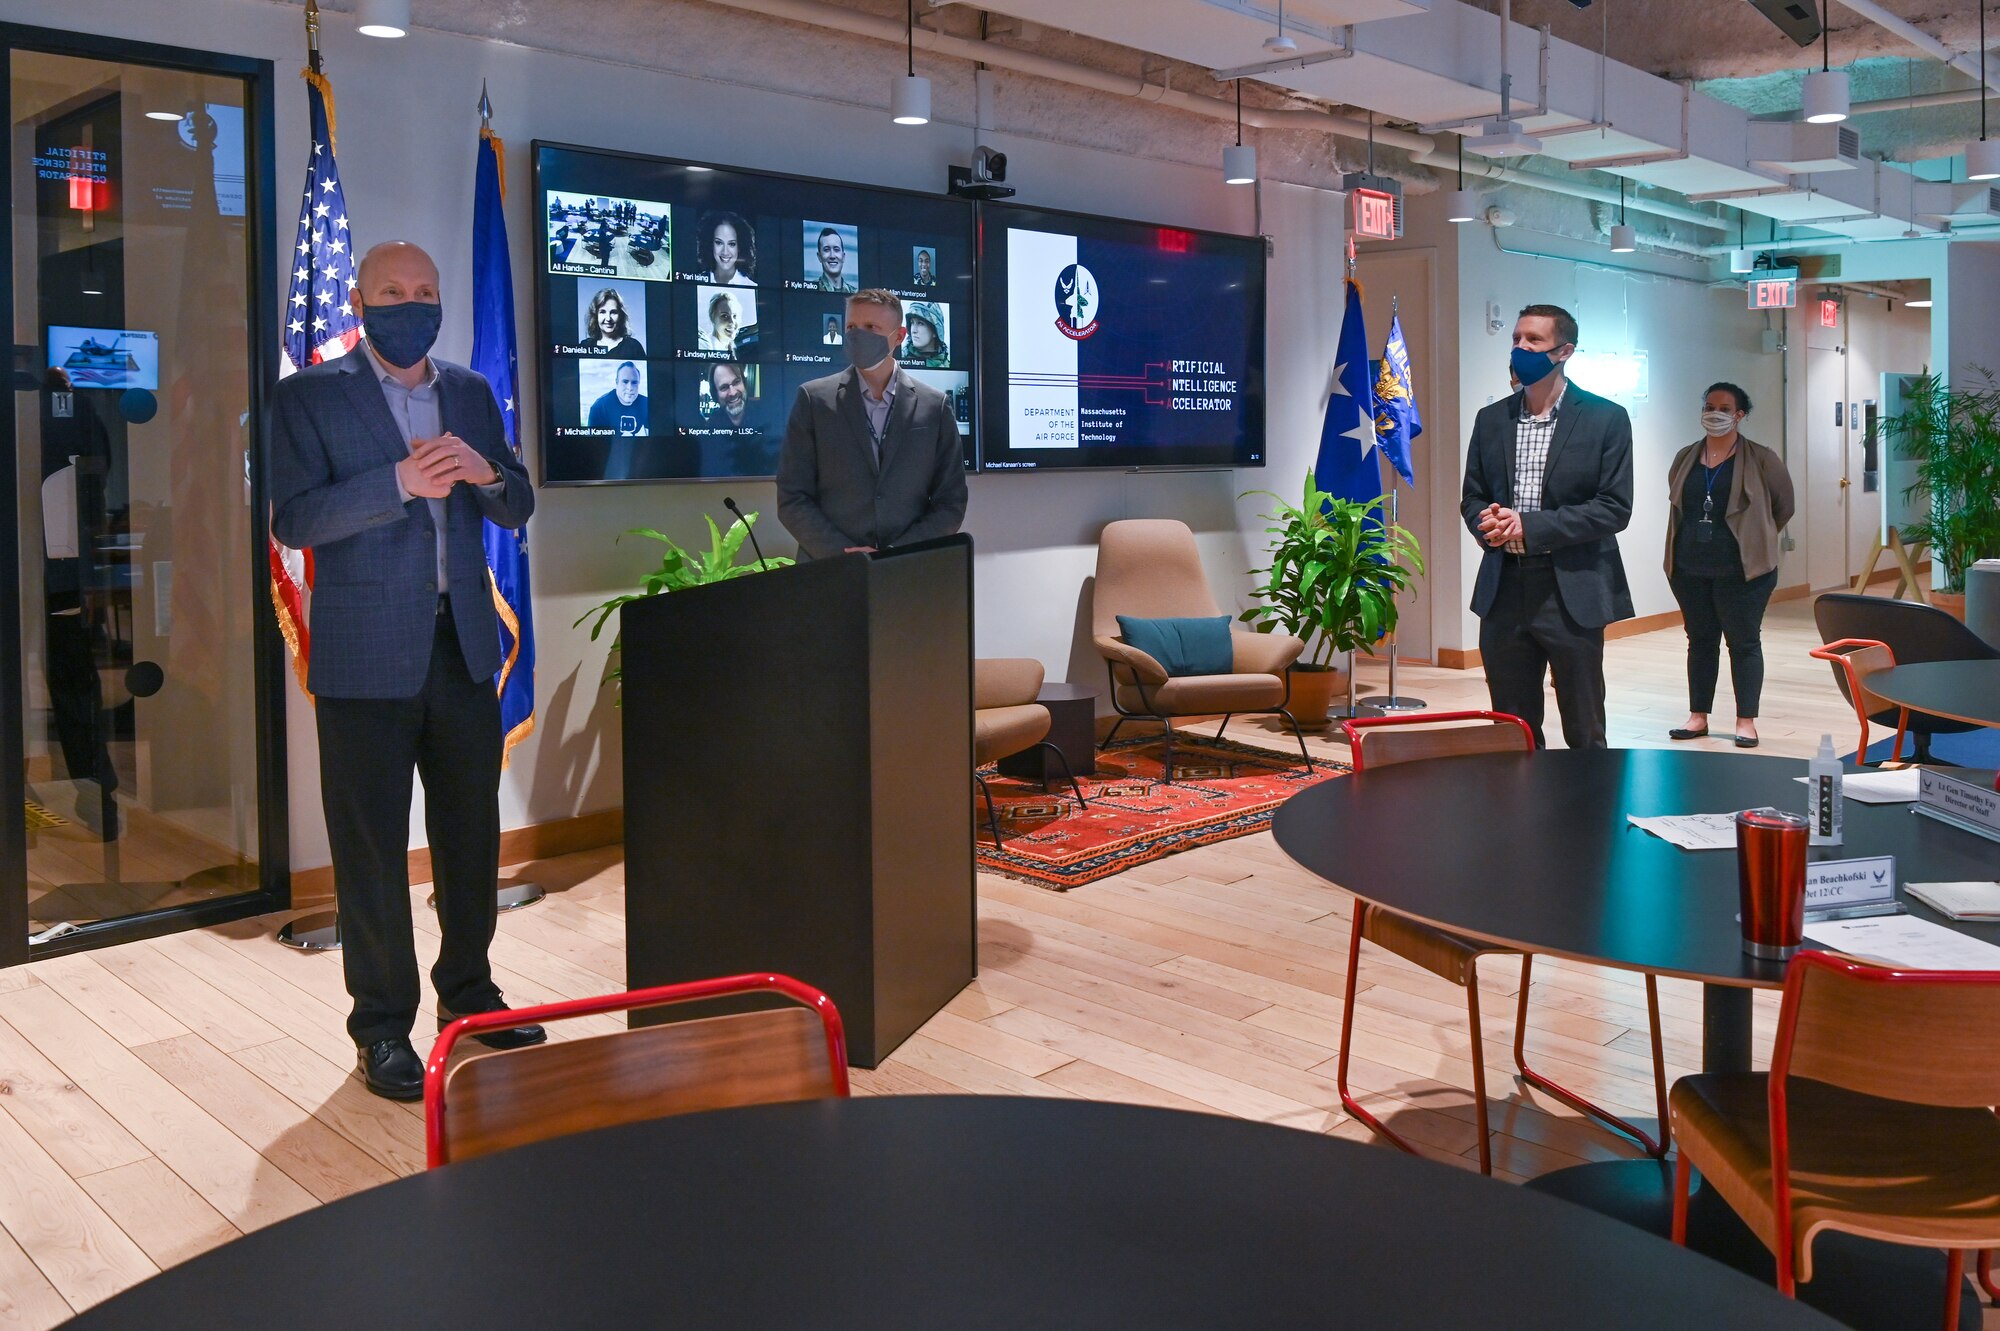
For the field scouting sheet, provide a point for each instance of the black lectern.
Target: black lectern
(798, 756)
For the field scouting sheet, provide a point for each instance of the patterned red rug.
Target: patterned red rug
(1221, 789)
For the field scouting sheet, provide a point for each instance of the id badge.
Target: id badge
(1704, 532)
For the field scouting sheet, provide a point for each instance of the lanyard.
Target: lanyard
(1708, 485)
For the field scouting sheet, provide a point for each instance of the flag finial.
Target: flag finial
(485, 107)
(312, 35)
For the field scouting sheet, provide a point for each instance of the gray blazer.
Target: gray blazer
(832, 495)
(1586, 502)
(334, 447)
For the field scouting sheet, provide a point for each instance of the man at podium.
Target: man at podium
(871, 456)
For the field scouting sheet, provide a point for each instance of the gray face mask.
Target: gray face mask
(866, 348)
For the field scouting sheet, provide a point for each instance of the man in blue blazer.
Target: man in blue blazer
(1548, 487)
(384, 462)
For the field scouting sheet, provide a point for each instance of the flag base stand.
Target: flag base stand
(312, 933)
(512, 897)
(1391, 703)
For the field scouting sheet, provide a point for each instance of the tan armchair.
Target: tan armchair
(1150, 568)
(1006, 719)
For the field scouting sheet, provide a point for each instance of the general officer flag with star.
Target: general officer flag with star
(493, 355)
(1346, 467)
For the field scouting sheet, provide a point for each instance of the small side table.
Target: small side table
(1072, 729)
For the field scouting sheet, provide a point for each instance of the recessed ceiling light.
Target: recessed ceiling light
(1923, 304)
(172, 117)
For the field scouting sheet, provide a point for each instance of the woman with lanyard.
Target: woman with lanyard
(1731, 498)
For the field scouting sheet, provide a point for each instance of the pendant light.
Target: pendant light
(1239, 164)
(1462, 204)
(910, 95)
(1742, 259)
(1823, 100)
(383, 18)
(1982, 156)
(1624, 239)
(1280, 44)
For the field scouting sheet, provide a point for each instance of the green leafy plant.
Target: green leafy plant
(1336, 569)
(681, 569)
(1953, 437)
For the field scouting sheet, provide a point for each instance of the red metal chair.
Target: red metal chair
(1854, 660)
(1876, 1118)
(525, 1095)
(1377, 742)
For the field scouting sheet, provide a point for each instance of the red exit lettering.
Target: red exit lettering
(1374, 215)
(1829, 314)
(1773, 294)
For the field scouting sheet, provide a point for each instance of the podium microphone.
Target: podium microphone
(730, 504)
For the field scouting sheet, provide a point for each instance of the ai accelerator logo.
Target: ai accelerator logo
(1076, 302)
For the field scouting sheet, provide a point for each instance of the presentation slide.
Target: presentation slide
(105, 357)
(1124, 345)
(681, 306)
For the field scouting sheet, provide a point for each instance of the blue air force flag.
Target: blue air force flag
(493, 355)
(1396, 418)
(1346, 467)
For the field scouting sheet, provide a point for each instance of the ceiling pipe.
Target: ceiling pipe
(1575, 189)
(1027, 62)
(1918, 38)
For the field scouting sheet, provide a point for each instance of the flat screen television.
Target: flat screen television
(1109, 343)
(679, 307)
(105, 357)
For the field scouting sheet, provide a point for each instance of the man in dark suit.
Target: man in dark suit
(1548, 487)
(871, 456)
(383, 463)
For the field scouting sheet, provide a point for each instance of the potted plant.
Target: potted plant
(1953, 437)
(1336, 570)
(680, 569)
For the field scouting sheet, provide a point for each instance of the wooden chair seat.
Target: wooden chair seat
(1883, 1169)
(1444, 954)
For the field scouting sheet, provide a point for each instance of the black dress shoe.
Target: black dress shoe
(1679, 733)
(1746, 741)
(513, 1037)
(391, 1069)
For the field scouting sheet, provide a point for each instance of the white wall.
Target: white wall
(406, 146)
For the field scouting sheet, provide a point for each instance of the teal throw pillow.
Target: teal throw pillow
(1183, 646)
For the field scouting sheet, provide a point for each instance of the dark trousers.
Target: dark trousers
(76, 698)
(1729, 608)
(450, 735)
(1526, 635)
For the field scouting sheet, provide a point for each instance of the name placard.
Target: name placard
(1844, 889)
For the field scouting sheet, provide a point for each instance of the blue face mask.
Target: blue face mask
(1531, 367)
(866, 348)
(402, 334)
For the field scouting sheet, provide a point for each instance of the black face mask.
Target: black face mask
(866, 348)
(402, 334)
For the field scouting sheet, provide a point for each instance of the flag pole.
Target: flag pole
(320, 931)
(1392, 701)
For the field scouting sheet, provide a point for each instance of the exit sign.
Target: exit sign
(1829, 314)
(1774, 293)
(1374, 214)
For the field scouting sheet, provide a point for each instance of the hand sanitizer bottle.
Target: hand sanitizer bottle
(1824, 799)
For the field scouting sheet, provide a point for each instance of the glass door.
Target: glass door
(141, 660)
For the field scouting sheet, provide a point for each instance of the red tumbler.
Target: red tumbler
(1771, 881)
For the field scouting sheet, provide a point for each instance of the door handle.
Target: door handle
(1844, 482)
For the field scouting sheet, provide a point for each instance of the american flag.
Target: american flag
(319, 325)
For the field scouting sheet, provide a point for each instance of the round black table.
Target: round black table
(1072, 729)
(1966, 691)
(1533, 851)
(955, 1211)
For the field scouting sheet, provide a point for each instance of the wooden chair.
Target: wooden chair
(1854, 660)
(528, 1095)
(1006, 720)
(1378, 742)
(1876, 1118)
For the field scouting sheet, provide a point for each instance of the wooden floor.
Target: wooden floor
(162, 1097)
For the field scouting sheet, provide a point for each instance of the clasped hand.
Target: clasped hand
(1498, 525)
(435, 465)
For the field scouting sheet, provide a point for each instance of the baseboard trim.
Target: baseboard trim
(1451, 658)
(537, 841)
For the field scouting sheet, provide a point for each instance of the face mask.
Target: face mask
(1718, 422)
(866, 348)
(1531, 367)
(402, 334)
